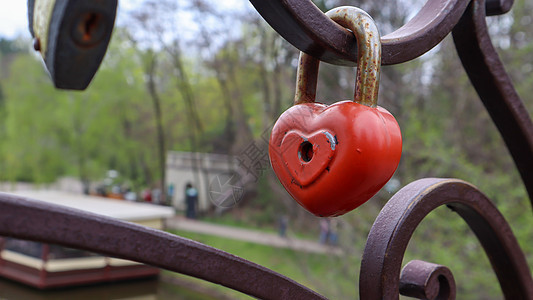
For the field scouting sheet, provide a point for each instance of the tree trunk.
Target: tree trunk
(150, 70)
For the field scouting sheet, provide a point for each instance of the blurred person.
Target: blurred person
(191, 199)
(333, 232)
(130, 195)
(156, 196)
(283, 224)
(147, 195)
(324, 230)
(170, 193)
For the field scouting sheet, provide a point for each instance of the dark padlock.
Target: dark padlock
(72, 36)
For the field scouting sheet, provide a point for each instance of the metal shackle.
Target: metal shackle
(368, 59)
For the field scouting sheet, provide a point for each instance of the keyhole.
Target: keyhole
(89, 29)
(90, 24)
(306, 151)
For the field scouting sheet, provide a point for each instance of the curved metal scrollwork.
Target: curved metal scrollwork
(302, 24)
(43, 222)
(423, 280)
(494, 87)
(398, 219)
(393, 228)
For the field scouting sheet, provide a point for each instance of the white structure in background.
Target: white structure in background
(65, 184)
(201, 170)
(141, 213)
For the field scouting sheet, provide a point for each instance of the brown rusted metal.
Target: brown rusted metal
(302, 24)
(423, 280)
(494, 87)
(369, 59)
(368, 39)
(306, 79)
(44, 222)
(393, 228)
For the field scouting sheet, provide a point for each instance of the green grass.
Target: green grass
(323, 273)
(177, 286)
(229, 220)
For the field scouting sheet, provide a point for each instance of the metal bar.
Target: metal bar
(43, 222)
(303, 24)
(393, 228)
(494, 87)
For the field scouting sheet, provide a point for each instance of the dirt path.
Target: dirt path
(253, 236)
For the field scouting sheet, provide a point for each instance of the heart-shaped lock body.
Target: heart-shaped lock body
(333, 158)
(314, 150)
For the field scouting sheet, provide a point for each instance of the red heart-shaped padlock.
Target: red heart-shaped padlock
(331, 159)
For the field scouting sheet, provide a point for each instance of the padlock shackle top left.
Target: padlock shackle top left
(368, 59)
(306, 79)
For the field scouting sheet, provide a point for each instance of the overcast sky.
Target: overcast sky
(14, 19)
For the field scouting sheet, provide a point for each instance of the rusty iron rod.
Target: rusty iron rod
(48, 223)
(303, 24)
(494, 87)
(394, 226)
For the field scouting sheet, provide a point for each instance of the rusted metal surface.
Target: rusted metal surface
(423, 280)
(43, 222)
(368, 39)
(494, 87)
(302, 24)
(306, 79)
(393, 228)
(368, 62)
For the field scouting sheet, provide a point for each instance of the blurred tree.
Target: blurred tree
(155, 20)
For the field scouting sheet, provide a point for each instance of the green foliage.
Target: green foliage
(322, 273)
(50, 133)
(9, 46)
(29, 154)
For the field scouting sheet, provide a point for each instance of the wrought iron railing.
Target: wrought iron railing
(381, 274)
